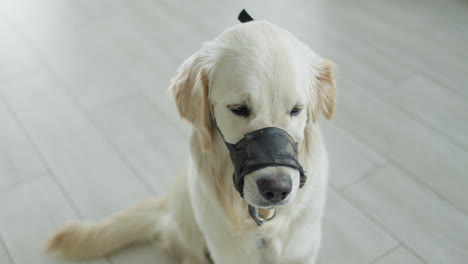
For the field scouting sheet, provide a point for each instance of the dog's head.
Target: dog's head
(256, 76)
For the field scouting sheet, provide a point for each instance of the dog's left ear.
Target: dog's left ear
(190, 91)
(323, 90)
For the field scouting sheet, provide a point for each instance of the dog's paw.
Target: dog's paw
(69, 241)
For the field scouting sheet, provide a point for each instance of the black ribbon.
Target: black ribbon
(244, 16)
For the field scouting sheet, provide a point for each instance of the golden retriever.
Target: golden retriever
(253, 76)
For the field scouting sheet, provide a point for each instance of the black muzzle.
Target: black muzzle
(266, 147)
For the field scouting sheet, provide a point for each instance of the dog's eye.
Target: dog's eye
(240, 110)
(296, 110)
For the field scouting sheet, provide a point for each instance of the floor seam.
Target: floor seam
(385, 254)
(32, 178)
(86, 114)
(391, 161)
(399, 60)
(41, 156)
(381, 226)
(364, 176)
(7, 251)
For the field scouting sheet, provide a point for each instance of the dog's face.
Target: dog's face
(254, 76)
(248, 94)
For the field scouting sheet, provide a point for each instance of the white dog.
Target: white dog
(252, 77)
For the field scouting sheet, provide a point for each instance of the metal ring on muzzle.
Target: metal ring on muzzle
(258, 217)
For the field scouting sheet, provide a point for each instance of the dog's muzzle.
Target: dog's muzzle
(266, 147)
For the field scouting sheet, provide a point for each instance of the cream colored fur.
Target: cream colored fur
(268, 69)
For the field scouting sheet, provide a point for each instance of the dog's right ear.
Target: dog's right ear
(190, 91)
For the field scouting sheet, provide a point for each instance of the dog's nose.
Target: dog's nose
(274, 187)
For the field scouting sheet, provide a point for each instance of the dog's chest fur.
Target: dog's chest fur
(268, 248)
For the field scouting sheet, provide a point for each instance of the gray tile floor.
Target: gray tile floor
(86, 127)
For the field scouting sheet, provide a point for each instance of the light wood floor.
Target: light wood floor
(86, 127)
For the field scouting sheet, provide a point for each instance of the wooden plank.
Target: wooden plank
(154, 146)
(438, 11)
(86, 74)
(400, 255)
(349, 158)
(430, 157)
(15, 55)
(222, 14)
(141, 59)
(351, 21)
(427, 224)
(435, 105)
(349, 237)
(180, 40)
(77, 154)
(445, 32)
(4, 255)
(18, 159)
(81, 12)
(29, 215)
